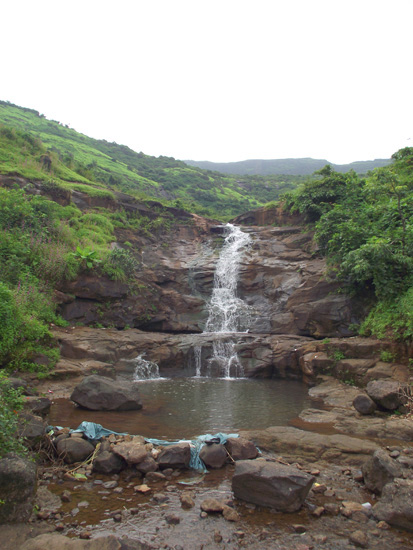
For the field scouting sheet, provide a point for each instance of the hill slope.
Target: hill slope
(33, 146)
(290, 166)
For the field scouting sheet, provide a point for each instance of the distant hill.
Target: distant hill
(291, 167)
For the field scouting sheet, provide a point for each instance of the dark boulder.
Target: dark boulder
(379, 470)
(147, 465)
(175, 456)
(74, 449)
(270, 484)
(99, 393)
(364, 404)
(240, 448)
(385, 393)
(17, 488)
(108, 463)
(396, 504)
(213, 456)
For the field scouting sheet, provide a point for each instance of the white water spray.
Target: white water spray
(144, 369)
(227, 312)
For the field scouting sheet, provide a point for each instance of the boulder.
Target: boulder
(240, 448)
(74, 449)
(213, 456)
(396, 504)
(364, 404)
(99, 393)
(175, 456)
(17, 488)
(147, 465)
(108, 463)
(133, 451)
(385, 393)
(379, 470)
(270, 484)
(32, 428)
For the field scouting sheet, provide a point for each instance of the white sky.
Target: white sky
(219, 80)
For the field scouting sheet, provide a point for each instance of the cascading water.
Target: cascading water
(144, 369)
(227, 312)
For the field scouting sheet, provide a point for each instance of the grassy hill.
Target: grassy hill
(292, 167)
(35, 147)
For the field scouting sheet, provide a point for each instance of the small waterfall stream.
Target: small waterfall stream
(227, 312)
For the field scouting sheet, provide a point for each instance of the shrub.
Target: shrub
(11, 403)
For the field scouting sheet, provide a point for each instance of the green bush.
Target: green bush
(120, 265)
(11, 403)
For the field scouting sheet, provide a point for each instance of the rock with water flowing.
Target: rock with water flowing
(283, 488)
(99, 393)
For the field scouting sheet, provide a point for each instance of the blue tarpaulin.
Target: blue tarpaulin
(97, 431)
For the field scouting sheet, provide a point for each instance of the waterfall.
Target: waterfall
(227, 312)
(145, 370)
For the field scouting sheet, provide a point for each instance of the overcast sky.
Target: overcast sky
(219, 80)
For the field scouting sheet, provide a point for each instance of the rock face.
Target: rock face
(17, 488)
(270, 484)
(380, 470)
(99, 393)
(396, 504)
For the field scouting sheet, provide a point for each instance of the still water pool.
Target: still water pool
(187, 407)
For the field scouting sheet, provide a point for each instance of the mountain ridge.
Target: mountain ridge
(289, 166)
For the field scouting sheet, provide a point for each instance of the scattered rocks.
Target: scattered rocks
(270, 484)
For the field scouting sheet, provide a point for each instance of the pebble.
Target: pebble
(230, 514)
(160, 497)
(59, 527)
(85, 535)
(318, 511)
(186, 500)
(217, 537)
(142, 489)
(203, 515)
(299, 528)
(110, 484)
(173, 519)
(395, 454)
(117, 518)
(359, 539)
(383, 525)
(66, 496)
(318, 488)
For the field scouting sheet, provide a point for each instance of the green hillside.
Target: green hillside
(35, 147)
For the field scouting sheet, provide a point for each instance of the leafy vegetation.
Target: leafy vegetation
(11, 403)
(34, 147)
(363, 227)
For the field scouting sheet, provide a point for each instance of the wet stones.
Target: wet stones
(108, 463)
(133, 452)
(364, 404)
(283, 488)
(99, 393)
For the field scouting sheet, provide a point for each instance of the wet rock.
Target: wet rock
(74, 449)
(385, 393)
(349, 509)
(110, 484)
(173, 519)
(99, 393)
(240, 448)
(38, 405)
(147, 465)
(107, 462)
(61, 542)
(17, 488)
(213, 456)
(154, 477)
(396, 504)
(175, 456)
(230, 514)
(186, 500)
(364, 404)
(270, 484)
(359, 539)
(142, 489)
(212, 506)
(379, 470)
(133, 452)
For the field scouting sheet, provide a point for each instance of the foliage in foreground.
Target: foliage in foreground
(364, 228)
(11, 403)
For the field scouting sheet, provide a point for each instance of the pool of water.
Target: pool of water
(188, 407)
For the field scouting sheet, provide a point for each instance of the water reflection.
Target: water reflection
(187, 407)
